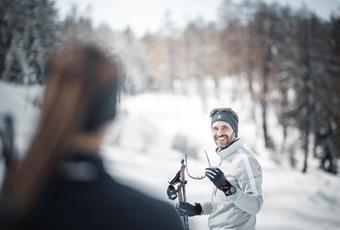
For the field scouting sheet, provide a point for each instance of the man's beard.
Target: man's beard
(225, 139)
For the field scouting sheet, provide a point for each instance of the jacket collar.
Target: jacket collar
(229, 150)
(81, 165)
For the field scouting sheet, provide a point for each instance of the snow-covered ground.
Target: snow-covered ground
(138, 151)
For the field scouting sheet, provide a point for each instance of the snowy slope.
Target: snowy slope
(138, 151)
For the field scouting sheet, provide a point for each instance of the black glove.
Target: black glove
(217, 177)
(187, 209)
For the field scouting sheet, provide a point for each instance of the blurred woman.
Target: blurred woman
(61, 183)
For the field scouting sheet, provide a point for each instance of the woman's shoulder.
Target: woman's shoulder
(135, 196)
(144, 208)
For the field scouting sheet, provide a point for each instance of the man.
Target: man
(237, 195)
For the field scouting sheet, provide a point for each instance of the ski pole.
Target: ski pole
(179, 193)
(184, 198)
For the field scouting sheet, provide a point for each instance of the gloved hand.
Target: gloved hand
(217, 177)
(187, 209)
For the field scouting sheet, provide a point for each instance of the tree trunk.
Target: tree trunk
(305, 151)
(264, 103)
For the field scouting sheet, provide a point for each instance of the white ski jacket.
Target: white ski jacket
(237, 211)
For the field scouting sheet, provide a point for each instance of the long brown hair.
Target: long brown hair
(77, 73)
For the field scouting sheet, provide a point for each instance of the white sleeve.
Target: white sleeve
(248, 196)
(249, 202)
(207, 208)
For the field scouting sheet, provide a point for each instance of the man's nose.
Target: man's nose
(219, 132)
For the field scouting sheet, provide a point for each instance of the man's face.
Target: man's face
(222, 133)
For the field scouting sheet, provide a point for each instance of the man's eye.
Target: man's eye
(225, 128)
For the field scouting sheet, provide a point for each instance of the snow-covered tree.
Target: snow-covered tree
(30, 33)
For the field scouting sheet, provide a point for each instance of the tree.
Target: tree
(30, 34)
(335, 47)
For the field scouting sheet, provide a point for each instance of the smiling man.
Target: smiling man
(237, 195)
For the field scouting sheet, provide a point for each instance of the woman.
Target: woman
(61, 183)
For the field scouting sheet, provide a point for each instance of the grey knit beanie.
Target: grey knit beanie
(226, 115)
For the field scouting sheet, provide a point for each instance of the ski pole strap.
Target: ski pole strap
(176, 179)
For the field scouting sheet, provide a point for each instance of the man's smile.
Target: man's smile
(221, 138)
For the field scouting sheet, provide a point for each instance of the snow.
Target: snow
(17, 101)
(138, 152)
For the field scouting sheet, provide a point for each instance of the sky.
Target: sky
(148, 15)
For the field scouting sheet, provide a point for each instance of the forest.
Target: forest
(289, 58)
